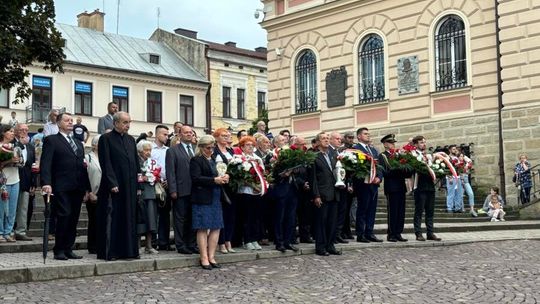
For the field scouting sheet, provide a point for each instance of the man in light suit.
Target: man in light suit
(63, 173)
(366, 192)
(106, 122)
(325, 197)
(177, 160)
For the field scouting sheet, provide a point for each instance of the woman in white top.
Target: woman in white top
(9, 186)
(94, 174)
(250, 201)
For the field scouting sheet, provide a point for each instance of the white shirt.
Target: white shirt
(50, 129)
(186, 148)
(158, 154)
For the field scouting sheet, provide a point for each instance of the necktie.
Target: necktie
(190, 152)
(72, 144)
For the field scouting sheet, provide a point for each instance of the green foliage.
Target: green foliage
(289, 159)
(27, 35)
(263, 117)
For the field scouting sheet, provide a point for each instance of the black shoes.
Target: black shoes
(322, 253)
(339, 239)
(391, 238)
(420, 238)
(184, 250)
(205, 267)
(362, 239)
(373, 238)
(194, 250)
(347, 236)
(215, 265)
(433, 237)
(165, 248)
(400, 238)
(281, 248)
(72, 255)
(60, 256)
(333, 252)
(291, 247)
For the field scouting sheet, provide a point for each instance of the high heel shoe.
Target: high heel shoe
(215, 265)
(205, 267)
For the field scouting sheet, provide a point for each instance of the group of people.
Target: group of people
(133, 189)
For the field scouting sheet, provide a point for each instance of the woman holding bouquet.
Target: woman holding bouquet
(205, 198)
(9, 185)
(248, 196)
(147, 181)
(225, 153)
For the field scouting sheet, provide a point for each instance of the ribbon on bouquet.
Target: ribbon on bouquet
(260, 175)
(446, 159)
(373, 166)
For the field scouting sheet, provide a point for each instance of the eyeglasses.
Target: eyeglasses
(209, 148)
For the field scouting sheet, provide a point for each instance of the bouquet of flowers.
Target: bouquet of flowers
(6, 152)
(463, 166)
(245, 170)
(151, 171)
(358, 164)
(290, 158)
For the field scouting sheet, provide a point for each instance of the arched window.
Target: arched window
(450, 54)
(371, 69)
(306, 82)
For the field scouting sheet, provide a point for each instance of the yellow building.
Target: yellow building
(237, 76)
(411, 67)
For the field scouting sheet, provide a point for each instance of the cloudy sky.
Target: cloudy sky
(215, 20)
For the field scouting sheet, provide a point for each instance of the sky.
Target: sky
(214, 20)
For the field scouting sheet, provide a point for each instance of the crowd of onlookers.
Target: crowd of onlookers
(133, 188)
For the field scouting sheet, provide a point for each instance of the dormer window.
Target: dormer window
(154, 59)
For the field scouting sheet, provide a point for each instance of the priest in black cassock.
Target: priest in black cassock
(117, 196)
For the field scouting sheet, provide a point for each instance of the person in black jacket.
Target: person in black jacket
(424, 197)
(205, 197)
(325, 197)
(63, 173)
(394, 189)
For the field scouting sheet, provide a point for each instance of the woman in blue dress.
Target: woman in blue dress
(207, 214)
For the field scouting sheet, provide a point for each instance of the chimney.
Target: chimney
(230, 43)
(261, 49)
(94, 20)
(186, 33)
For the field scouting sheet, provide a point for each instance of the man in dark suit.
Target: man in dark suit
(27, 180)
(63, 173)
(325, 197)
(106, 122)
(394, 189)
(177, 160)
(366, 192)
(424, 197)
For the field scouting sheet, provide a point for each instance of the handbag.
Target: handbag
(224, 197)
(160, 192)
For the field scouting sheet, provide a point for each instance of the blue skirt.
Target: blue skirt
(208, 216)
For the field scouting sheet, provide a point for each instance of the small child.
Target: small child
(496, 211)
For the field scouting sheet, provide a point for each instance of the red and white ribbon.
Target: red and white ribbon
(446, 159)
(264, 184)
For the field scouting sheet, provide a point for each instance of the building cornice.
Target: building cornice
(312, 13)
(125, 75)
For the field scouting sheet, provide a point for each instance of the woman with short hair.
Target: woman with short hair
(207, 215)
(94, 175)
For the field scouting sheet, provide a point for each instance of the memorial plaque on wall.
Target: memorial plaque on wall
(408, 75)
(336, 84)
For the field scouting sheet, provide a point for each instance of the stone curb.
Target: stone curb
(53, 272)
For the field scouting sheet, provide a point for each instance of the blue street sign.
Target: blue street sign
(120, 92)
(83, 87)
(43, 82)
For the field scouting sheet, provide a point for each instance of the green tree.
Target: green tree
(263, 117)
(27, 35)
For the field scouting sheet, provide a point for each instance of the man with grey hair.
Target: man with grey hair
(27, 179)
(279, 141)
(117, 195)
(51, 128)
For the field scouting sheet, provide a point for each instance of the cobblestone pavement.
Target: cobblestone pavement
(489, 272)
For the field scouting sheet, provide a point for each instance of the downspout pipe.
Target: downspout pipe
(208, 95)
(502, 176)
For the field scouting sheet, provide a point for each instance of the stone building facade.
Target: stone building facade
(412, 67)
